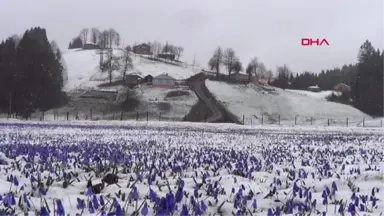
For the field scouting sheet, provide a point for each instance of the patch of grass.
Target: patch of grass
(177, 93)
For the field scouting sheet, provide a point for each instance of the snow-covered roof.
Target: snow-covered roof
(135, 74)
(163, 76)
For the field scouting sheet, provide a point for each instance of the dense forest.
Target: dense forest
(31, 74)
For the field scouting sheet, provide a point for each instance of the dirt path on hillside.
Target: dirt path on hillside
(218, 112)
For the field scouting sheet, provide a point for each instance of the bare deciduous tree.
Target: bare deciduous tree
(179, 51)
(95, 34)
(112, 33)
(258, 69)
(262, 70)
(104, 39)
(216, 60)
(156, 47)
(229, 59)
(111, 64)
(84, 35)
(127, 62)
(117, 39)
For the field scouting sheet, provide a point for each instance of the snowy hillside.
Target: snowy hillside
(255, 101)
(83, 69)
(145, 67)
(317, 95)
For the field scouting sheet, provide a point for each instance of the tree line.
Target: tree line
(32, 73)
(232, 64)
(106, 38)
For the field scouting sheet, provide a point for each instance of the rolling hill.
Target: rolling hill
(267, 105)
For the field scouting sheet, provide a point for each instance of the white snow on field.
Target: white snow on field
(149, 67)
(258, 103)
(151, 99)
(81, 66)
(226, 165)
(317, 95)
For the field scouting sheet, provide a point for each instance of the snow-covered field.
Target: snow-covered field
(258, 103)
(163, 169)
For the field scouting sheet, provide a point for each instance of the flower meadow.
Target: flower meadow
(156, 169)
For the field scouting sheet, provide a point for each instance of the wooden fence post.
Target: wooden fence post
(295, 120)
(243, 119)
(311, 120)
(328, 122)
(262, 119)
(160, 116)
(347, 122)
(90, 114)
(279, 119)
(363, 122)
(137, 116)
(121, 115)
(147, 115)
(67, 116)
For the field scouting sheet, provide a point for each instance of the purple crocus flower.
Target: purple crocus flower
(44, 211)
(184, 211)
(60, 208)
(15, 181)
(89, 192)
(144, 210)
(102, 200)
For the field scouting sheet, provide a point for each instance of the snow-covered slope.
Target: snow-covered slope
(317, 95)
(255, 101)
(81, 65)
(146, 66)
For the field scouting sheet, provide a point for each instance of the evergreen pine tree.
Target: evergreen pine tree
(40, 80)
(368, 87)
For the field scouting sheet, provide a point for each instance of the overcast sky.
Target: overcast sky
(269, 29)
